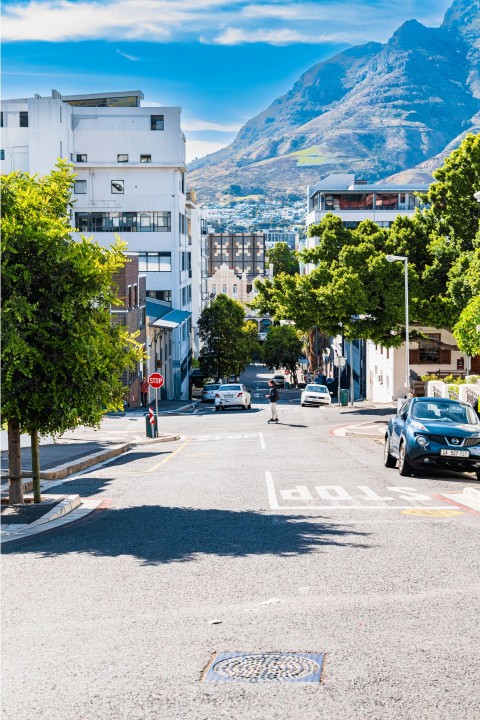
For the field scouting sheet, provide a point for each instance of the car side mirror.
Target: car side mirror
(403, 416)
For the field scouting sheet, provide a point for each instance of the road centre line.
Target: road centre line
(169, 457)
(262, 441)
(272, 495)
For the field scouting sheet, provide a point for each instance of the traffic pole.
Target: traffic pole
(156, 411)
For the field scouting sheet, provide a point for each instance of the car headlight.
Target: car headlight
(422, 440)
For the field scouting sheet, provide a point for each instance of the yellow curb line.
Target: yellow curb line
(155, 467)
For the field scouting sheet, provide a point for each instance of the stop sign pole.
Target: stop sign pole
(155, 380)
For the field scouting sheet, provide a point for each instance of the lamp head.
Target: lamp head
(393, 258)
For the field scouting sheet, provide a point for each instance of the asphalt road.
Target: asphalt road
(249, 537)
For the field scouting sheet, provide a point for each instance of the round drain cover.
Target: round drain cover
(267, 667)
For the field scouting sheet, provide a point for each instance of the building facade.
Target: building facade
(130, 182)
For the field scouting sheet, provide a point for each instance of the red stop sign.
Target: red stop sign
(155, 380)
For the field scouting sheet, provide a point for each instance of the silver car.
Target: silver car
(233, 395)
(208, 393)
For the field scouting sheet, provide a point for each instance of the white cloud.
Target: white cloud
(236, 36)
(225, 22)
(200, 148)
(132, 58)
(199, 125)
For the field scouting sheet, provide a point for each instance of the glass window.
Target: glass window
(125, 222)
(117, 187)
(80, 187)
(235, 289)
(224, 288)
(1, 118)
(157, 122)
(23, 119)
(2, 154)
(154, 262)
(80, 158)
(145, 158)
(122, 158)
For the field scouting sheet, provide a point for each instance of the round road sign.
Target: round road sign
(155, 380)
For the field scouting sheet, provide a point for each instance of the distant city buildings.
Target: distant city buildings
(130, 182)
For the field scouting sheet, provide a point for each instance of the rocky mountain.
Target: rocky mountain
(377, 110)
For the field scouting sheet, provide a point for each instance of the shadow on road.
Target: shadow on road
(158, 535)
(369, 412)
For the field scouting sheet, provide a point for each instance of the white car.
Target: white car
(232, 395)
(315, 395)
(208, 393)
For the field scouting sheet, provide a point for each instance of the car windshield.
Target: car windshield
(211, 387)
(316, 388)
(230, 387)
(444, 412)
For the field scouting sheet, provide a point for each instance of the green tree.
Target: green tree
(228, 341)
(62, 359)
(282, 348)
(283, 259)
(353, 284)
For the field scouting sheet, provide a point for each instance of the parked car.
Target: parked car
(434, 433)
(279, 380)
(315, 395)
(233, 395)
(208, 393)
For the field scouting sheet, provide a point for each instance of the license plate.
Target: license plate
(455, 453)
(228, 396)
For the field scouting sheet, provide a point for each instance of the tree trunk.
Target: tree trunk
(35, 466)
(15, 480)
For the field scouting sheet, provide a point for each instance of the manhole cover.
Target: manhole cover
(266, 667)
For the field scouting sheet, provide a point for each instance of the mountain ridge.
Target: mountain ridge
(372, 109)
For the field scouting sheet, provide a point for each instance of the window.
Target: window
(182, 224)
(155, 262)
(117, 187)
(145, 158)
(235, 289)
(214, 289)
(181, 184)
(157, 122)
(430, 351)
(123, 221)
(135, 295)
(164, 295)
(80, 158)
(224, 289)
(1, 119)
(122, 158)
(2, 154)
(23, 119)
(129, 296)
(80, 187)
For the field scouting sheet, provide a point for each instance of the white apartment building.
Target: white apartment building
(131, 182)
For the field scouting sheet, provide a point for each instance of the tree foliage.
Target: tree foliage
(351, 282)
(283, 259)
(62, 359)
(282, 348)
(228, 341)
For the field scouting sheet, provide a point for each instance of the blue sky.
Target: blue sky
(222, 61)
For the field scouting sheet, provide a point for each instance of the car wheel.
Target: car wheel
(217, 408)
(404, 467)
(244, 407)
(249, 407)
(388, 459)
(302, 404)
(222, 408)
(478, 475)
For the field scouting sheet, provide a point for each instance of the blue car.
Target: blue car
(433, 433)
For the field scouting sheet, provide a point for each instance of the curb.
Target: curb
(63, 508)
(63, 471)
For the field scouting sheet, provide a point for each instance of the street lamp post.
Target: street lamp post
(404, 259)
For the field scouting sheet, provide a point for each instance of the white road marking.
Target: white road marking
(262, 441)
(339, 493)
(210, 438)
(272, 496)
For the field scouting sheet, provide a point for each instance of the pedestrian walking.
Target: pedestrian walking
(144, 391)
(273, 397)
